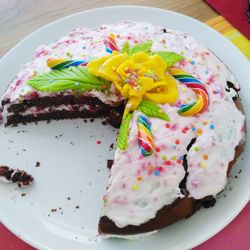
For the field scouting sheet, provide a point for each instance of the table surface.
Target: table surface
(18, 18)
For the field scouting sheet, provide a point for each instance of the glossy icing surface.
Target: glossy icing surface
(141, 185)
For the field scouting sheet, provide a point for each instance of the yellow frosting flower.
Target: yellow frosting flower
(137, 76)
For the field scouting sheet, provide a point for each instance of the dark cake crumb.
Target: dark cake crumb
(68, 198)
(38, 164)
(23, 194)
(111, 146)
(53, 210)
(15, 176)
(77, 207)
(109, 163)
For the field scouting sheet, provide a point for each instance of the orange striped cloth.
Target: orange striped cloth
(224, 27)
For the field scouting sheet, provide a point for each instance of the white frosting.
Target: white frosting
(133, 201)
(35, 110)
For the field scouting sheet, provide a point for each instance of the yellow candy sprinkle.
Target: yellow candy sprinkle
(199, 132)
(203, 165)
(173, 158)
(135, 187)
(164, 157)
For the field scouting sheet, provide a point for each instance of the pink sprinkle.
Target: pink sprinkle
(177, 141)
(168, 163)
(179, 161)
(174, 127)
(157, 149)
(167, 125)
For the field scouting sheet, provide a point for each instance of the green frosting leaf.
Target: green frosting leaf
(72, 78)
(170, 58)
(122, 140)
(126, 47)
(145, 47)
(151, 109)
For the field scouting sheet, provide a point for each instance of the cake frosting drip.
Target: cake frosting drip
(139, 186)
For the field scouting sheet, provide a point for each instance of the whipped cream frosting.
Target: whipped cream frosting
(139, 186)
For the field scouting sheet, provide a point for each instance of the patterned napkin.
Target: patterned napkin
(234, 11)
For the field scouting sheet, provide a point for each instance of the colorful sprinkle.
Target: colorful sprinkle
(199, 132)
(164, 157)
(205, 157)
(157, 172)
(173, 158)
(157, 149)
(168, 163)
(179, 161)
(135, 187)
(150, 168)
(139, 177)
(203, 165)
(193, 129)
(212, 126)
(167, 125)
(177, 141)
(98, 142)
(196, 148)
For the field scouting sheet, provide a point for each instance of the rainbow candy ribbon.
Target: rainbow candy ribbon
(145, 137)
(202, 100)
(110, 43)
(63, 63)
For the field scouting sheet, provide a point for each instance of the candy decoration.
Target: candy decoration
(145, 137)
(110, 43)
(63, 63)
(201, 103)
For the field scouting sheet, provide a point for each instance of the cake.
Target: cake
(176, 104)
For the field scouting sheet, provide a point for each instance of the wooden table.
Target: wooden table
(18, 18)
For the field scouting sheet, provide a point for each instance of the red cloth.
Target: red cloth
(235, 13)
(235, 236)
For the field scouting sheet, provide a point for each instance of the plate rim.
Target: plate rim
(29, 240)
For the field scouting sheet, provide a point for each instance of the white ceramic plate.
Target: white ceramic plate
(79, 171)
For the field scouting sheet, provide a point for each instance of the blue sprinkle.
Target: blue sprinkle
(84, 47)
(181, 157)
(193, 62)
(212, 126)
(206, 72)
(193, 129)
(156, 172)
(174, 147)
(218, 91)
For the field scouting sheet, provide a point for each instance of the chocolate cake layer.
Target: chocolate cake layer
(64, 114)
(58, 100)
